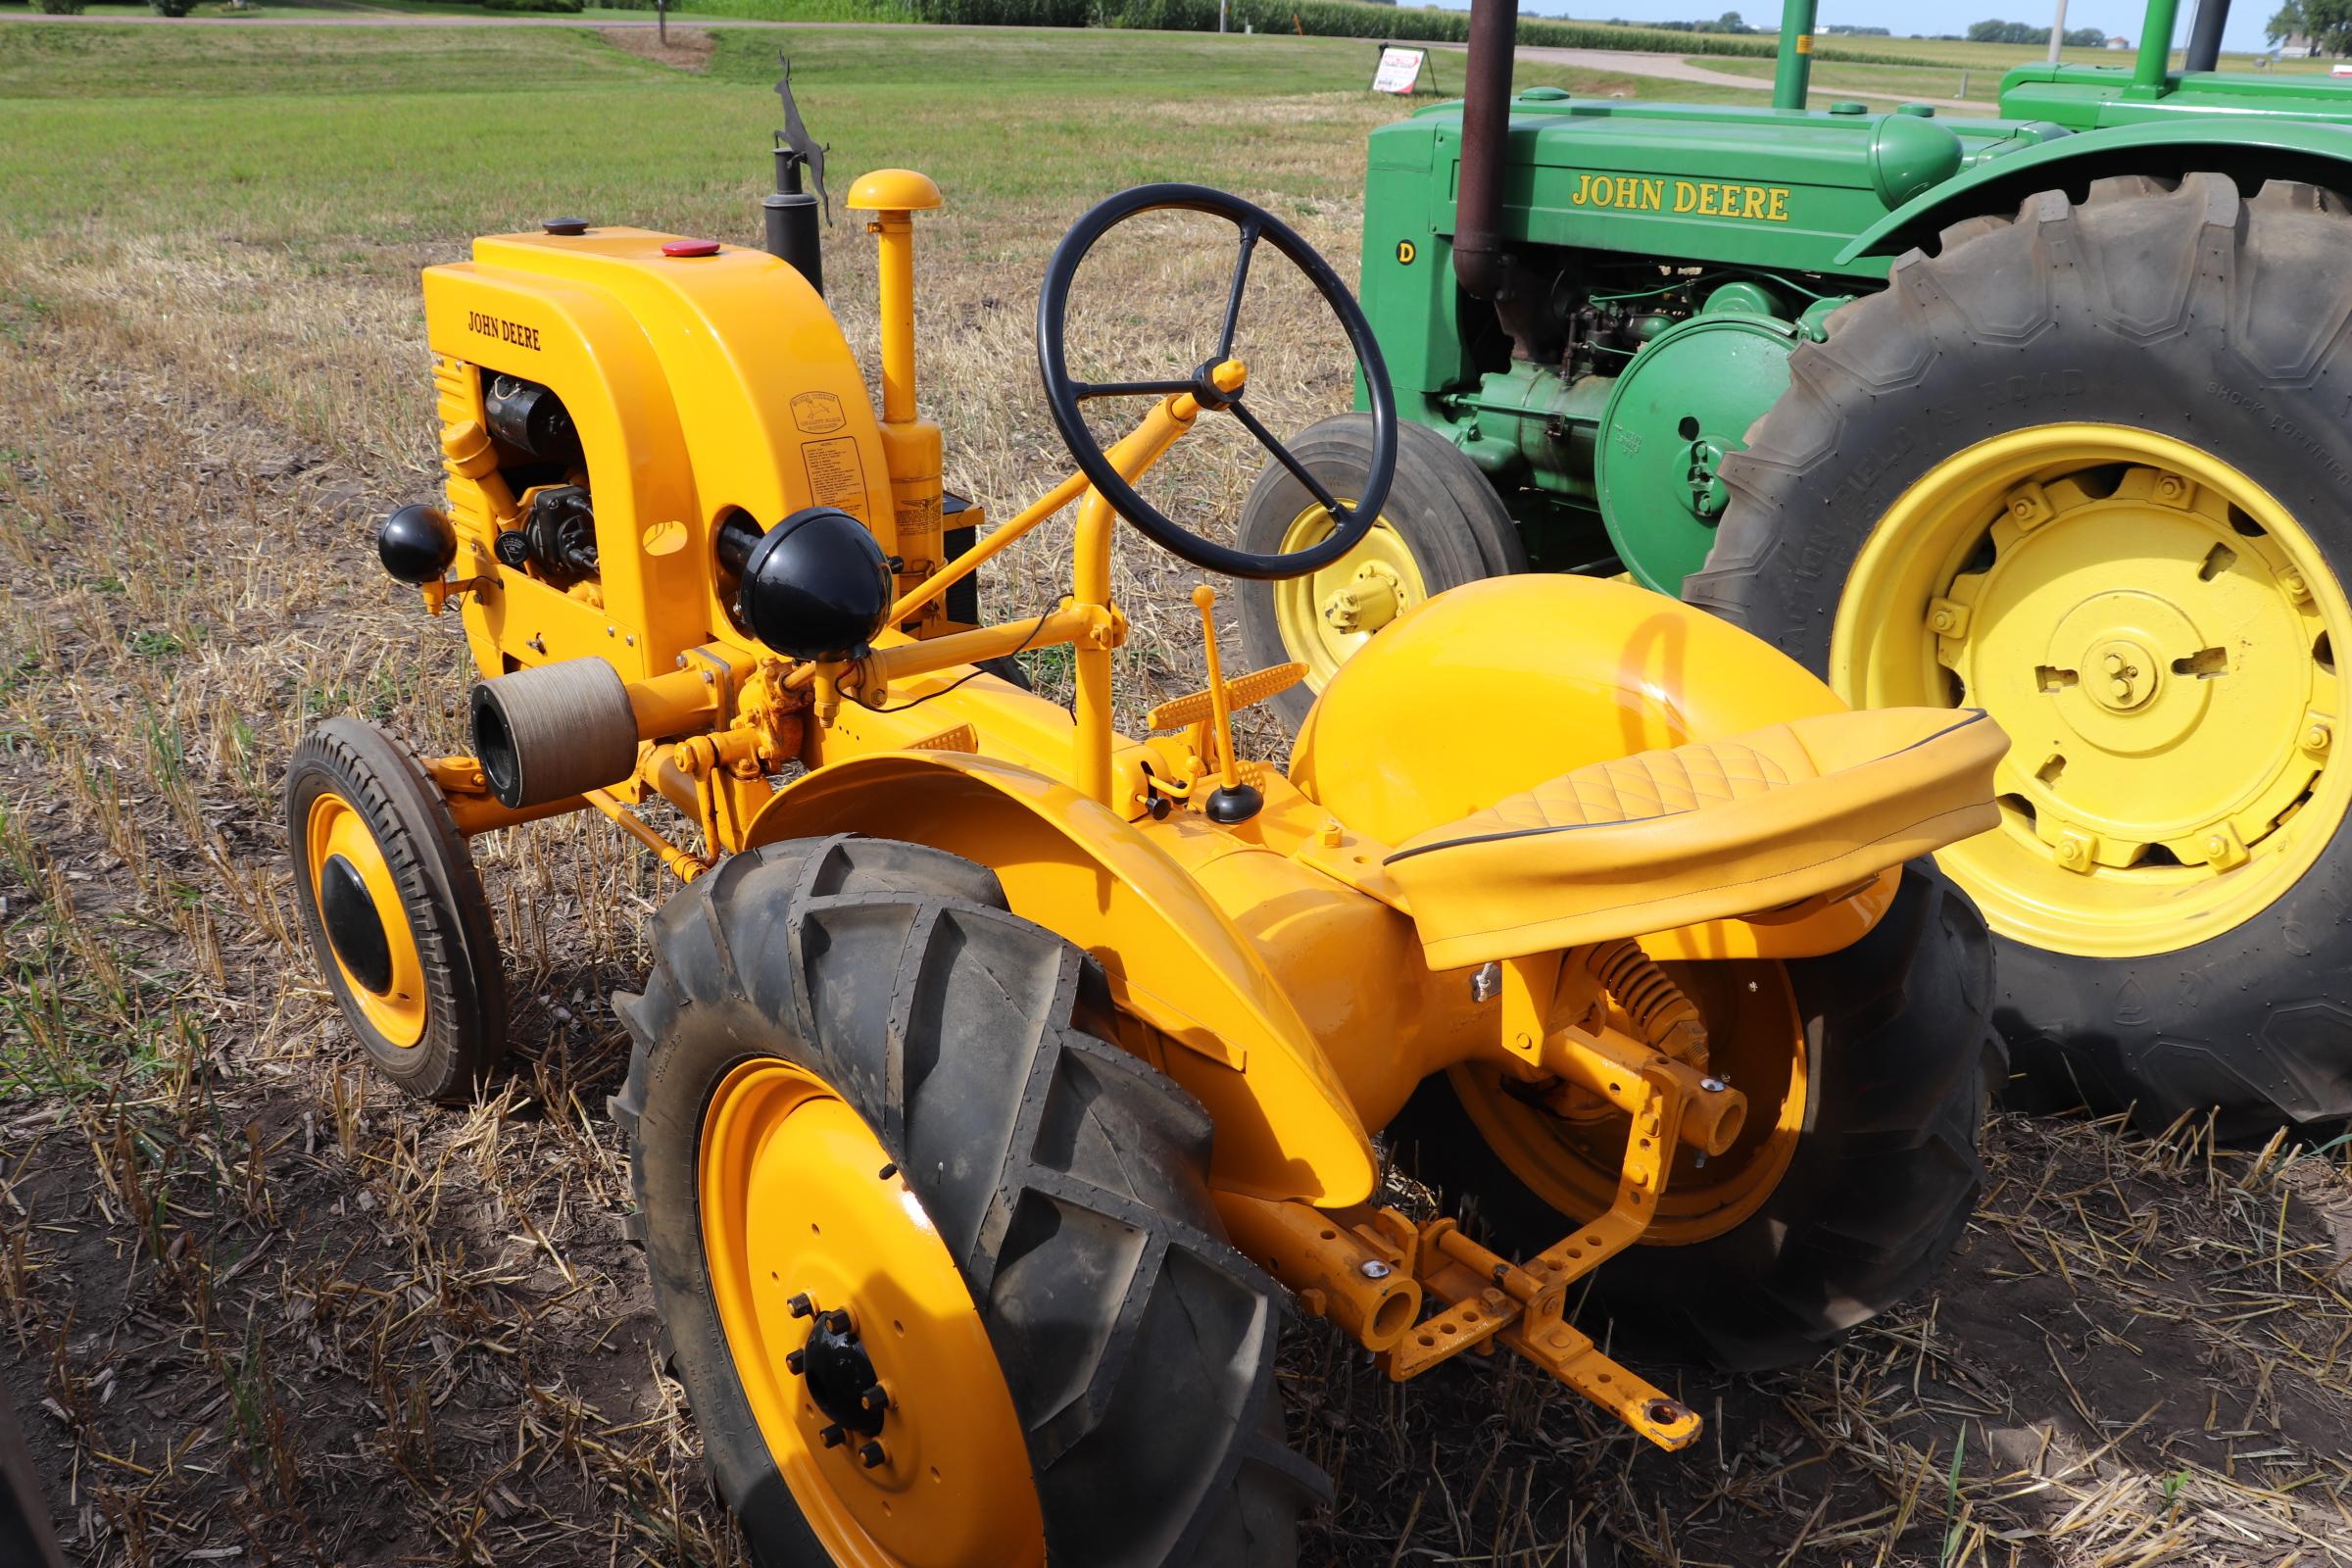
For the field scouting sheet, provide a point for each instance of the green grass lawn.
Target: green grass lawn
(323, 136)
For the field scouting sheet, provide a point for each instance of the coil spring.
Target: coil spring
(1661, 1014)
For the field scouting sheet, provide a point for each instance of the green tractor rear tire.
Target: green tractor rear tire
(936, 1263)
(2087, 470)
(1443, 525)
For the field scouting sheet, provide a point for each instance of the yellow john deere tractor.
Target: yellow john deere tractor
(1001, 1079)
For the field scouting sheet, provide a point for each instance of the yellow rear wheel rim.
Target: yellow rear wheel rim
(800, 1202)
(1325, 615)
(2157, 635)
(1756, 1043)
(337, 831)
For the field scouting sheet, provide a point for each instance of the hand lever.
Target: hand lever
(1232, 801)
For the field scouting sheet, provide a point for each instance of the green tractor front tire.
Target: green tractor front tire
(2087, 469)
(1443, 525)
(936, 1263)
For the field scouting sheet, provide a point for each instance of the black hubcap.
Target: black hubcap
(841, 1376)
(353, 926)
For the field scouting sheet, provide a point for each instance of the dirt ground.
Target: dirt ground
(256, 1308)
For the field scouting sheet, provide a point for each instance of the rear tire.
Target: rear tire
(1067, 1180)
(1882, 1181)
(1442, 515)
(2193, 315)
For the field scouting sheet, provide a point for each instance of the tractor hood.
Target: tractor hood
(1757, 187)
(2093, 97)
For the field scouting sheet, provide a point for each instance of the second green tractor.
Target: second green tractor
(2047, 413)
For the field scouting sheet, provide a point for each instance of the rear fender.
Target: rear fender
(1285, 1127)
(2249, 150)
(1497, 686)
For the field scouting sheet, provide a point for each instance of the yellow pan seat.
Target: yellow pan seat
(1709, 831)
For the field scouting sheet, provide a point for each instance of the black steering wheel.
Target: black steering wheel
(1349, 524)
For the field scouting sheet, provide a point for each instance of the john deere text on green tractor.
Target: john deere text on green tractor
(1985, 412)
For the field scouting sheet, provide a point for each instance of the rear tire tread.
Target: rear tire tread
(1138, 1346)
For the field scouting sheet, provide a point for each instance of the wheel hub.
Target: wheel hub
(2125, 675)
(353, 926)
(841, 1375)
(1369, 602)
(2156, 634)
(367, 926)
(2128, 674)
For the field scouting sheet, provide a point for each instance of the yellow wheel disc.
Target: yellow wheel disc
(349, 878)
(2157, 635)
(797, 1208)
(1757, 1042)
(1325, 615)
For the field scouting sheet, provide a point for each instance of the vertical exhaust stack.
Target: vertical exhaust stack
(2205, 35)
(790, 214)
(1480, 261)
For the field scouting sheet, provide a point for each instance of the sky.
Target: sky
(1929, 17)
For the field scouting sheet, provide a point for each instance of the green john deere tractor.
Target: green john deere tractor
(2049, 415)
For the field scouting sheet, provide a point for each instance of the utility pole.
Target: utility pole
(2057, 30)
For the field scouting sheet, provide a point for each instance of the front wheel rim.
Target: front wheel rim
(2156, 632)
(1325, 615)
(802, 1204)
(368, 939)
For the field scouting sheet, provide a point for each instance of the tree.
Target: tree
(2330, 24)
(2083, 37)
(1730, 22)
(2284, 23)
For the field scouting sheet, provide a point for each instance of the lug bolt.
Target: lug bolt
(871, 1454)
(2317, 738)
(873, 1399)
(795, 1361)
(1373, 1268)
(801, 1305)
(833, 1437)
(838, 1320)
(889, 1171)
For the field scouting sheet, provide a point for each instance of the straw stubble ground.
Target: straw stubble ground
(256, 1308)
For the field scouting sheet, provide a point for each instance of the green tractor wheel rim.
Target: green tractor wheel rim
(1325, 615)
(2172, 703)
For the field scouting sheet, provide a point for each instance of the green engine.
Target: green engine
(1663, 262)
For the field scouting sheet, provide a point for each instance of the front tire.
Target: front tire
(395, 910)
(1093, 1378)
(1443, 526)
(2087, 469)
(1897, 1061)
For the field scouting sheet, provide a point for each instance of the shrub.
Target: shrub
(62, 8)
(173, 8)
(534, 4)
